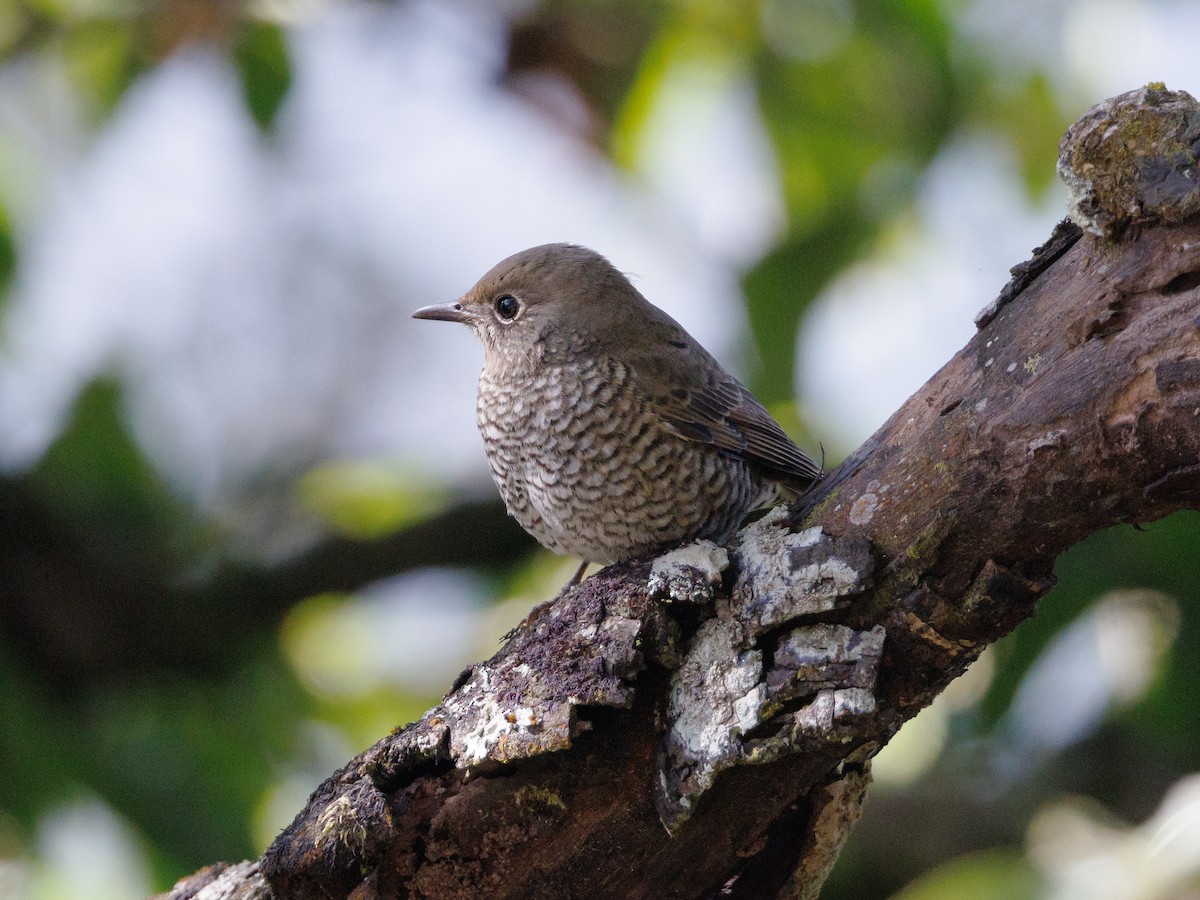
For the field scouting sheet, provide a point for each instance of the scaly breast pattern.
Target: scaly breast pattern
(589, 471)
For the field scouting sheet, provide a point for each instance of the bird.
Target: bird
(611, 433)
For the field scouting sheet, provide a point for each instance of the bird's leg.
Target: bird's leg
(542, 607)
(577, 577)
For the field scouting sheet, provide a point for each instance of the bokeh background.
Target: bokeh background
(246, 525)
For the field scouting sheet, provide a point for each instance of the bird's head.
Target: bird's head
(551, 299)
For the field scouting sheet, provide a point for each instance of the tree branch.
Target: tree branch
(703, 722)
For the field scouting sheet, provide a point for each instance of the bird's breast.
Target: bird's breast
(586, 465)
(558, 408)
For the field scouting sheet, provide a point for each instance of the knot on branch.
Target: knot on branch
(1133, 159)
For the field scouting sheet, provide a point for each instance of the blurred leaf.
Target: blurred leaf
(640, 99)
(95, 472)
(102, 60)
(320, 644)
(323, 641)
(8, 256)
(886, 90)
(14, 24)
(365, 718)
(1029, 117)
(881, 99)
(370, 499)
(37, 764)
(715, 35)
(994, 875)
(260, 54)
(52, 9)
(597, 46)
(779, 291)
(185, 761)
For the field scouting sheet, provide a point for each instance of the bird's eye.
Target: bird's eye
(507, 307)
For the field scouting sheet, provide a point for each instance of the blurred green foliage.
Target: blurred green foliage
(852, 122)
(369, 499)
(102, 61)
(95, 471)
(120, 683)
(260, 55)
(8, 257)
(982, 876)
(208, 747)
(39, 768)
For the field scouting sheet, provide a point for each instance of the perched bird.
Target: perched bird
(609, 430)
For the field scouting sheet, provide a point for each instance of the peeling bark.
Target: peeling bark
(703, 723)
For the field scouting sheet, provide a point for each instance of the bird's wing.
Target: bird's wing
(697, 400)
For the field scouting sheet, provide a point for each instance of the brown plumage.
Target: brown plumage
(609, 430)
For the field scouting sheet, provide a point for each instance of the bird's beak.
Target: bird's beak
(444, 312)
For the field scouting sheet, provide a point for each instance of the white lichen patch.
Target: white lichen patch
(809, 537)
(492, 722)
(817, 717)
(482, 727)
(689, 574)
(783, 576)
(850, 703)
(525, 717)
(516, 707)
(818, 643)
(717, 696)
(747, 709)
(820, 685)
(774, 517)
(827, 580)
